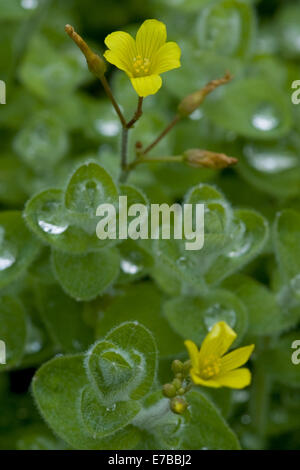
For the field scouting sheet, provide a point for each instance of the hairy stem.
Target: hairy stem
(162, 135)
(113, 101)
(142, 159)
(137, 114)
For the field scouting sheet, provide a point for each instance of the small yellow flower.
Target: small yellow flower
(209, 365)
(144, 58)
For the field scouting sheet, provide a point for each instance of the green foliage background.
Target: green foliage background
(63, 292)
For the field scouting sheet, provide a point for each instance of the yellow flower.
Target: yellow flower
(209, 365)
(144, 58)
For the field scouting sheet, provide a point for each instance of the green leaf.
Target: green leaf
(49, 73)
(287, 30)
(89, 187)
(57, 388)
(13, 331)
(47, 217)
(251, 107)
(287, 247)
(136, 263)
(84, 277)
(101, 420)
(226, 27)
(278, 360)
(124, 364)
(191, 265)
(36, 141)
(193, 317)
(272, 167)
(18, 247)
(264, 314)
(63, 318)
(13, 173)
(143, 303)
(205, 428)
(12, 10)
(249, 235)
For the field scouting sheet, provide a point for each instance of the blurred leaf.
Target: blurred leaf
(17, 247)
(42, 142)
(249, 235)
(143, 303)
(84, 277)
(264, 314)
(193, 317)
(63, 318)
(251, 107)
(13, 331)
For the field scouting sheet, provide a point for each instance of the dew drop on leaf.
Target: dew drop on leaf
(52, 228)
(270, 160)
(128, 267)
(265, 118)
(217, 313)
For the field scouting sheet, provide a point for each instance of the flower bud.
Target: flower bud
(95, 63)
(205, 159)
(177, 366)
(169, 390)
(178, 405)
(177, 383)
(186, 368)
(191, 102)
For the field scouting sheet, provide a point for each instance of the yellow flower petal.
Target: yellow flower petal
(122, 51)
(167, 58)
(193, 353)
(236, 358)
(206, 383)
(217, 342)
(238, 378)
(150, 37)
(148, 85)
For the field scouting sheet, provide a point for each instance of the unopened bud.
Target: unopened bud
(191, 102)
(177, 366)
(95, 63)
(178, 405)
(205, 159)
(169, 390)
(177, 383)
(186, 368)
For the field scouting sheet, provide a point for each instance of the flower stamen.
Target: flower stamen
(210, 367)
(141, 66)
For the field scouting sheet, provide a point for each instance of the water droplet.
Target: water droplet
(217, 313)
(7, 259)
(265, 118)
(269, 160)
(111, 408)
(129, 268)
(182, 261)
(242, 241)
(29, 4)
(35, 340)
(52, 228)
(241, 250)
(107, 128)
(196, 115)
(241, 396)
